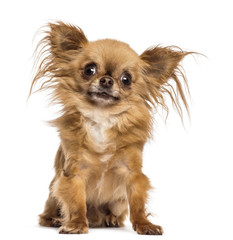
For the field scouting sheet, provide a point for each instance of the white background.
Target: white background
(190, 168)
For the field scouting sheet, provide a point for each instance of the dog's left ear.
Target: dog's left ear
(161, 64)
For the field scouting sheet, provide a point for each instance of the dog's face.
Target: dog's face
(108, 73)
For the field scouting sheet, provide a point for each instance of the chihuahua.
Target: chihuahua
(108, 93)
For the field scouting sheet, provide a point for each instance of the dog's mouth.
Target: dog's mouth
(103, 95)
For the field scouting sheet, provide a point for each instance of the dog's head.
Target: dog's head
(107, 73)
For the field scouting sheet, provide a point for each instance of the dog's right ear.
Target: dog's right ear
(61, 44)
(65, 39)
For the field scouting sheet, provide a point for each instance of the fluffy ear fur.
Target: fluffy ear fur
(65, 37)
(161, 64)
(60, 45)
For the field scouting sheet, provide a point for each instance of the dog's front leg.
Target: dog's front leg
(70, 192)
(137, 187)
(137, 196)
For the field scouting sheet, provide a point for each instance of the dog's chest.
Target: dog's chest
(97, 126)
(97, 130)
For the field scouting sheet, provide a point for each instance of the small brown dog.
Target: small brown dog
(107, 92)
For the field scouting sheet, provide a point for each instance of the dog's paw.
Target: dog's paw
(148, 229)
(111, 221)
(73, 228)
(49, 221)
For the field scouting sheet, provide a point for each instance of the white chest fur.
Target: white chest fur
(97, 124)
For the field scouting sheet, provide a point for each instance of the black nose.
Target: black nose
(106, 82)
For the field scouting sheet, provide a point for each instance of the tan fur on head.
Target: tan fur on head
(107, 92)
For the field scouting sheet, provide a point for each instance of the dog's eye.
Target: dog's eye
(90, 69)
(126, 79)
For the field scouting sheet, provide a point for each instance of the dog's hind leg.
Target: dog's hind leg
(51, 215)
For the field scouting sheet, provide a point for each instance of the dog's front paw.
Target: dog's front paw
(74, 228)
(148, 229)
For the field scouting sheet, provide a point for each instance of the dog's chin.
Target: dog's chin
(103, 98)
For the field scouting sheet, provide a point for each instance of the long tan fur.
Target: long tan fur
(98, 166)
